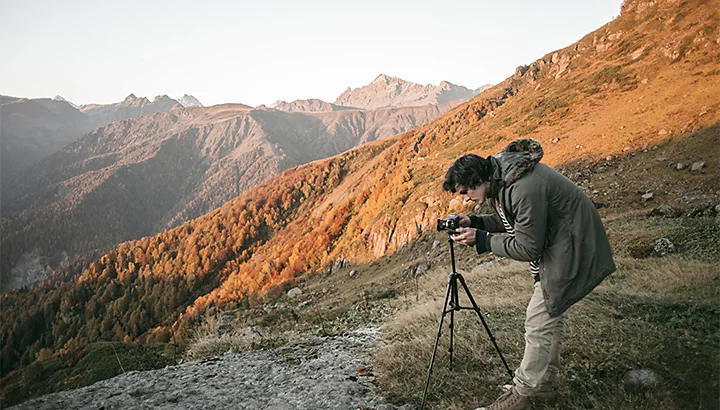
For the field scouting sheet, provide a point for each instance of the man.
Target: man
(550, 223)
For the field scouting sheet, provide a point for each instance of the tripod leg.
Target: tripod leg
(487, 329)
(437, 341)
(454, 303)
(452, 325)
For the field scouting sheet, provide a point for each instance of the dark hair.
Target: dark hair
(468, 171)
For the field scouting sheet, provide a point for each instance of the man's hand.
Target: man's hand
(464, 235)
(471, 237)
(464, 220)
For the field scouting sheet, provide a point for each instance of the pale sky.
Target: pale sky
(262, 51)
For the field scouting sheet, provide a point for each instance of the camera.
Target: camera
(451, 223)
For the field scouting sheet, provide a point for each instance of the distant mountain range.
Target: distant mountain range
(130, 107)
(310, 105)
(154, 165)
(386, 91)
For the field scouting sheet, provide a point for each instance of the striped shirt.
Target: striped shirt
(534, 265)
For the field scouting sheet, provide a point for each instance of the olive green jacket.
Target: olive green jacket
(554, 221)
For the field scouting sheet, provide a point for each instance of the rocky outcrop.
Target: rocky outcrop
(319, 373)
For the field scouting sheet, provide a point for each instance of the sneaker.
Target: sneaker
(511, 400)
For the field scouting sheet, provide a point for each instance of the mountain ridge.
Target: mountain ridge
(386, 91)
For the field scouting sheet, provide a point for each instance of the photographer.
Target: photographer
(551, 224)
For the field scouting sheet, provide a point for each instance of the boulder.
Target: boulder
(680, 166)
(662, 247)
(643, 377)
(294, 292)
(666, 211)
(697, 166)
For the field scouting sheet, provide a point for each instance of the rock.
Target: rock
(435, 244)
(692, 198)
(665, 211)
(697, 166)
(662, 132)
(555, 140)
(643, 377)
(700, 210)
(294, 292)
(662, 159)
(609, 158)
(352, 273)
(627, 149)
(224, 323)
(647, 197)
(339, 264)
(421, 268)
(662, 247)
(680, 166)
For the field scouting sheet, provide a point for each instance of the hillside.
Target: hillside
(140, 176)
(612, 111)
(35, 128)
(32, 129)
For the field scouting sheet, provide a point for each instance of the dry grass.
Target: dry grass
(659, 314)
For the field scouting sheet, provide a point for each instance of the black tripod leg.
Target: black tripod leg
(437, 341)
(452, 325)
(487, 329)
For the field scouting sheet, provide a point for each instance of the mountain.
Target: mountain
(32, 129)
(386, 91)
(189, 101)
(141, 176)
(61, 98)
(620, 104)
(130, 107)
(311, 105)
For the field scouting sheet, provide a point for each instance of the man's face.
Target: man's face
(476, 194)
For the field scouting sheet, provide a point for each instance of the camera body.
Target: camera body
(450, 224)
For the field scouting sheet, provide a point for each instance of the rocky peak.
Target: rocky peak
(60, 98)
(309, 105)
(385, 79)
(163, 97)
(387, 91)
(188, 100)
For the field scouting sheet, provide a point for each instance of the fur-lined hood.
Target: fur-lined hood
(516, 159)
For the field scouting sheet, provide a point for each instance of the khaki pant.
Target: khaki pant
(543, 340)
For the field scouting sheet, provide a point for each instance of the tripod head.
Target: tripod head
(450, 224)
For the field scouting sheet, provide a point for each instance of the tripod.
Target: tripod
(451, 305)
